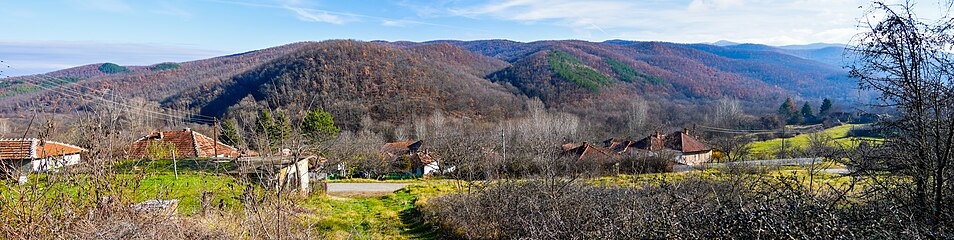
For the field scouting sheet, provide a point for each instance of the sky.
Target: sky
(40, 36)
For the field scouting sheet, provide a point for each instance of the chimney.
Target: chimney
(685, 130)
(187, 130)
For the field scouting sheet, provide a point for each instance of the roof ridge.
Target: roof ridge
(214, 141)
(66, 144)
(44, 141)
(195, 142)
(17, 139)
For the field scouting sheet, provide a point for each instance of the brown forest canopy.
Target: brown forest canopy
(490, 80)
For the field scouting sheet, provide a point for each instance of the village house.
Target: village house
(35, 155)
(687, 149)
(413, 157)
(591, 154)
(185, 143)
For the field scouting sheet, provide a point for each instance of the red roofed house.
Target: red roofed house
(411, 155)
(186, 143)
(689, 150)
(35, 155)
(592, 154)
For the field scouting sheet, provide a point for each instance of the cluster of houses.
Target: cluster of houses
(684, 148)
(411, 157)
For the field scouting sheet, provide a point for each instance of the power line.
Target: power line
(51, 81)
(142, 111)
(75, 92)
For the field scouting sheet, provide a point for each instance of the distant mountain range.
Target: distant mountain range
(828, 53)
(392, 81)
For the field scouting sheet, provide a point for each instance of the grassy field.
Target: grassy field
(838, 135)
(392, 216)
(387, 216)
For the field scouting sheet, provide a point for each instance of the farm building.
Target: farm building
(185, 143)
(35, 155)
(688, 149)
(413, 157)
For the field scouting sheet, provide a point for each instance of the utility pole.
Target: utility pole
(215, 137)
(783, 151)
(175, 167)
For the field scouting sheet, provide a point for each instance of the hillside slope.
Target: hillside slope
(353, 80)
(154, 82)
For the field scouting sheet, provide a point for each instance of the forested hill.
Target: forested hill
(395, 81)
(154, 82)
(354, 80)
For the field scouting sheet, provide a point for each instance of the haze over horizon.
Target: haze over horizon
(45, 36)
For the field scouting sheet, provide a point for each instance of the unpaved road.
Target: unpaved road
(382, 188)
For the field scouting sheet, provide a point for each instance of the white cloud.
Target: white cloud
(396, 23)
(44, 56)
(703, 5)
(310, 15)
(777, 22)
(166, 8)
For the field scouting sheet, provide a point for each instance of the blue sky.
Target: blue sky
(38, 36)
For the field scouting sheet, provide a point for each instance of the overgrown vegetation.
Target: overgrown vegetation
(574, 70)
(628, 74)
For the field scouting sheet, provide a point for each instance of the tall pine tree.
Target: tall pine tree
(807, 114)
(229, 135)
(825, 108)
(787, 109)
(319, 126)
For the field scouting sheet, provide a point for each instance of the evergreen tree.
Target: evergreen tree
(277, 129)
(281, 129)
(787, 109)
(807, 115)
(229, 135)
(263, 125)
(319, 126)
(825, 108)
(807, 111)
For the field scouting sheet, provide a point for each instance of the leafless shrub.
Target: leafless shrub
(735, 206)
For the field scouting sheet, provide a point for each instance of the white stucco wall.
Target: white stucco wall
(696, 159)
(52, 163)
(431, 168)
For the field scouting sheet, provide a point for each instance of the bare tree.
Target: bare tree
(909, 62)
(726, 112)
(638, 112)
(736, 148)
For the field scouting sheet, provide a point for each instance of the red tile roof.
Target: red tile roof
(188, 144)
(679, 141)
(590, 153)
(31, 148)
(414, 150)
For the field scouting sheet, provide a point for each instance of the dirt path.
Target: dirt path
(363, 189)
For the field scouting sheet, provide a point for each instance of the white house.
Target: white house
(35, 155)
